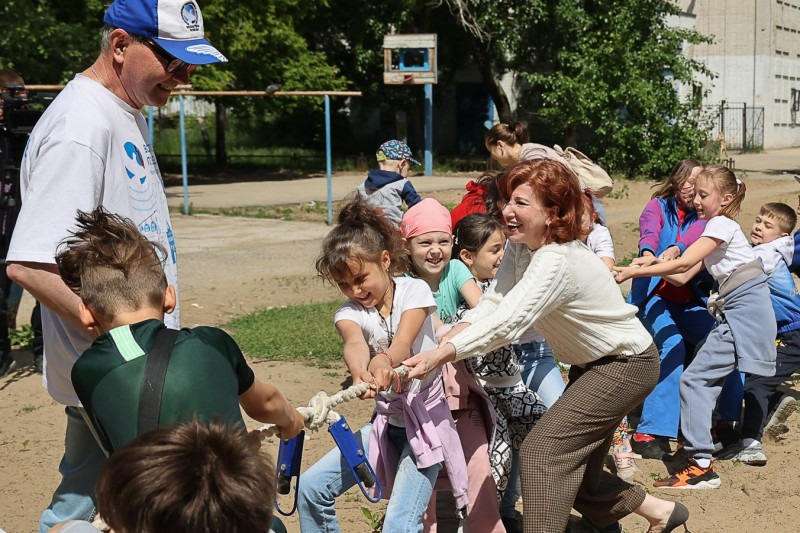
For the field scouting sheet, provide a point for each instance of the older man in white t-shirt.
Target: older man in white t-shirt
(91, 148)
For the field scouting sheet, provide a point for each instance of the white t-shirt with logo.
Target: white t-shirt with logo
(733, 252)
(88, 149)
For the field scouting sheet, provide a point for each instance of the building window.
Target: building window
(795, 104)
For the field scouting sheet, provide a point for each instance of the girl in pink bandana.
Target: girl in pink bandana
(428, 235)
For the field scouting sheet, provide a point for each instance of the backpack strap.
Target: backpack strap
(155, 370)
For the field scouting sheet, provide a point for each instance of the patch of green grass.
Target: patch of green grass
(297, 333)
(312, 211)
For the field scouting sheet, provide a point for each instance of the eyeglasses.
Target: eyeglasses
(173, 64)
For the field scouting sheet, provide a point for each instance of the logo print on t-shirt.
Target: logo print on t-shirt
(135, 155)
(140, 194)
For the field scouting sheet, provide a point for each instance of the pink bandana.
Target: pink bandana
(425, 217)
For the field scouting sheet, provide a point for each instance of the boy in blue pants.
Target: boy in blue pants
(766, 408)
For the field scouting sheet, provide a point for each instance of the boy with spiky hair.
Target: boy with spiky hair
(117, 273)
(766, 408)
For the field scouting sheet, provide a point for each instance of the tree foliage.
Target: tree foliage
(592, 71)
(48, 41)
(603, 74)
(608, 77)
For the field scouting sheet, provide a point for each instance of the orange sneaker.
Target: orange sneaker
(691, 477)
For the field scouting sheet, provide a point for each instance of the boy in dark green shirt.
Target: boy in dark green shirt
(124, 294)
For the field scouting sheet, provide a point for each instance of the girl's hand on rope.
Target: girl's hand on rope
(382, 370)
(365, 377)
(670, 254)
(425, 362)
(623, 273)
(646, 260)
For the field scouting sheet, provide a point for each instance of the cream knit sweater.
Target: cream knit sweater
(567, 293)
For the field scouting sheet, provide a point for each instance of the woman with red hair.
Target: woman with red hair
(570, 296)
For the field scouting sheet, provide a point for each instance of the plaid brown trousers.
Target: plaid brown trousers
(562, 457)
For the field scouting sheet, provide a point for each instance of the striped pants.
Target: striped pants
(562, 457)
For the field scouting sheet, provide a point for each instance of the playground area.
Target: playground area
(230, 266)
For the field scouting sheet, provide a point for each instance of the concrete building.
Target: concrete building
(756, 57)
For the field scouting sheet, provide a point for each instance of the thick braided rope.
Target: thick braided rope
(320, 406)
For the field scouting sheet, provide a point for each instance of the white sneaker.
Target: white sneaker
(751, 455)
(776, 424)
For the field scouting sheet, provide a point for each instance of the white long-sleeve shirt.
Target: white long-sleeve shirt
(567, 293)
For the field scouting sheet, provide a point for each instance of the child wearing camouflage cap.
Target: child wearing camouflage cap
(387, 187)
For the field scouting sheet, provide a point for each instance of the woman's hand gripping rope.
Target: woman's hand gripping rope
(320, 406)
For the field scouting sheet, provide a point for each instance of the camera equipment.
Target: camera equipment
(18, 118)
(16, 122)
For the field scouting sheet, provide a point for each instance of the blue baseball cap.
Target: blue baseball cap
(395, 149)
(175, 25)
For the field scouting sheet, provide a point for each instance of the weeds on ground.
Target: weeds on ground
(621, 193)
(22, 336)
(628, 259)
(28, 409)
(374, 519)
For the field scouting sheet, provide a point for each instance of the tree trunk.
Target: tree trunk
(571, 135)
(491, 79)
(222, 126)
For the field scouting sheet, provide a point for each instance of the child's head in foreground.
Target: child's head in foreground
(427, 229)
(479, 242)
(361, 253)
(188, 478)
(718, 192)
(113, 267)
(774, 220)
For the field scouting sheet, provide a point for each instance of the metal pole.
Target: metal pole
(428, 129)
(328, 157)
(183, 163)
(744, 127)
(150, 124)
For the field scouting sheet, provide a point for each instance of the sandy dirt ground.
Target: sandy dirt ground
(230, 266)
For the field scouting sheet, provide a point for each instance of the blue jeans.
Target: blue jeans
(330, 477)
(80, 467)
(540, 371)
(541, 374)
